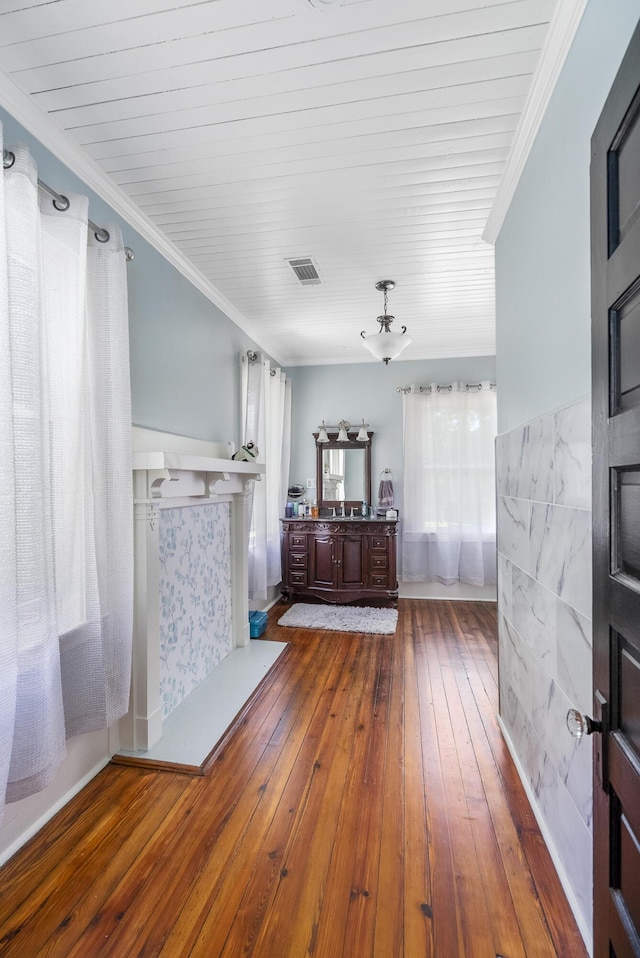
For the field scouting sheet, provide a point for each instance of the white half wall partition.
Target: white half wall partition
(190, 564)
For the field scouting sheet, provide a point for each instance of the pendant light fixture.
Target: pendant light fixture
(386, 345)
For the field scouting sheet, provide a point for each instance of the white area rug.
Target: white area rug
(341, 618)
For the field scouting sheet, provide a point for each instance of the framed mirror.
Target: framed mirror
(343, 471)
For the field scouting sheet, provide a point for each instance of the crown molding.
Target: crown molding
(23, 109)
(562, 30)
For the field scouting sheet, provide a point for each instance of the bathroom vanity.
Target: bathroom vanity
(340, 557)
(339, 560)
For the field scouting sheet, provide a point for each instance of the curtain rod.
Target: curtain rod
(254, 357)
(446, 387)
(61, 203)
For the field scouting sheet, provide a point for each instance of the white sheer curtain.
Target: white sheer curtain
(449, 520)
(267, 417)
(66, 552)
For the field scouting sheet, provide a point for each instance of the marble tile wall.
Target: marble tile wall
(195, 597)
(543, 474)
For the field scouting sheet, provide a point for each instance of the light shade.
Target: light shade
(322, 433)
(386, 345)
(342, 435)
(363, 435)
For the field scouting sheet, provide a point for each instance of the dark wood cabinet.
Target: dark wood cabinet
(339, 561)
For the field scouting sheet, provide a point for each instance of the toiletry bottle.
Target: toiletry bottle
(365, 508)
(314, 509)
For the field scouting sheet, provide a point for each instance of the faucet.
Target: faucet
(342, 510)
(353, 512)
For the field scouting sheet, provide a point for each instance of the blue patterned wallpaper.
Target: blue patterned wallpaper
(195, 597)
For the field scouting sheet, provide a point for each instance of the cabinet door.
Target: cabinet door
(351, 562)
(323, 564)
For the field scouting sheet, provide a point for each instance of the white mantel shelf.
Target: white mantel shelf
(168, 466)
(172, 460)
(170, 476)
(168, 472)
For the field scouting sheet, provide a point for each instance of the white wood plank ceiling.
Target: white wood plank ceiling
(370, 135)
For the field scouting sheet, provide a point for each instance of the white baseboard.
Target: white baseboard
(584, 929)
(435, 590)
(35, 826)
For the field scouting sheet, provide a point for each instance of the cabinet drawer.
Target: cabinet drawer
(379, 562)
(379, 580)
(298, 560)
(379, 544)
(297, 578)
(296, 541)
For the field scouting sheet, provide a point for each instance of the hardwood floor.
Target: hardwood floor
(365, 806)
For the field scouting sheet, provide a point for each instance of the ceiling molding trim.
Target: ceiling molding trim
(562, 30)
(22, 108)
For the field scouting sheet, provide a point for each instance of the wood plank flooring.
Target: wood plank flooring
(366, 805)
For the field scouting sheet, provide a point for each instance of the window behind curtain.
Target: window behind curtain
(66, 511)
(449, 521)
(266, 408)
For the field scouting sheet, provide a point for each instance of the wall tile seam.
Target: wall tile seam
(546, 415)
(542, 585)
(546, 502)
(584, 467)
(540, 661)
(552, 678)
(561, 782)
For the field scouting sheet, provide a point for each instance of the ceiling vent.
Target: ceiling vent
(305, 271)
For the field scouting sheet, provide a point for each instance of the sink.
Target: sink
(342, 518)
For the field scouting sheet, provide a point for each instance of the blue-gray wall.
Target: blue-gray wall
(367, 391)
(542, 253)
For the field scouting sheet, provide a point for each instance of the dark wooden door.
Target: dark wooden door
(615, 229)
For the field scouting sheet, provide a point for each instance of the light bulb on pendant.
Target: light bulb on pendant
(322, 433)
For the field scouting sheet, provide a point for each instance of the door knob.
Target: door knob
(579, 724)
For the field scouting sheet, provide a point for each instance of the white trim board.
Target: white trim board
(585, 931)
(34, 827)
(562, 30)
(435, 590)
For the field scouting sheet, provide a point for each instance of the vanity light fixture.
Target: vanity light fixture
(343, 426)
(386, 345)
(363, 435)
